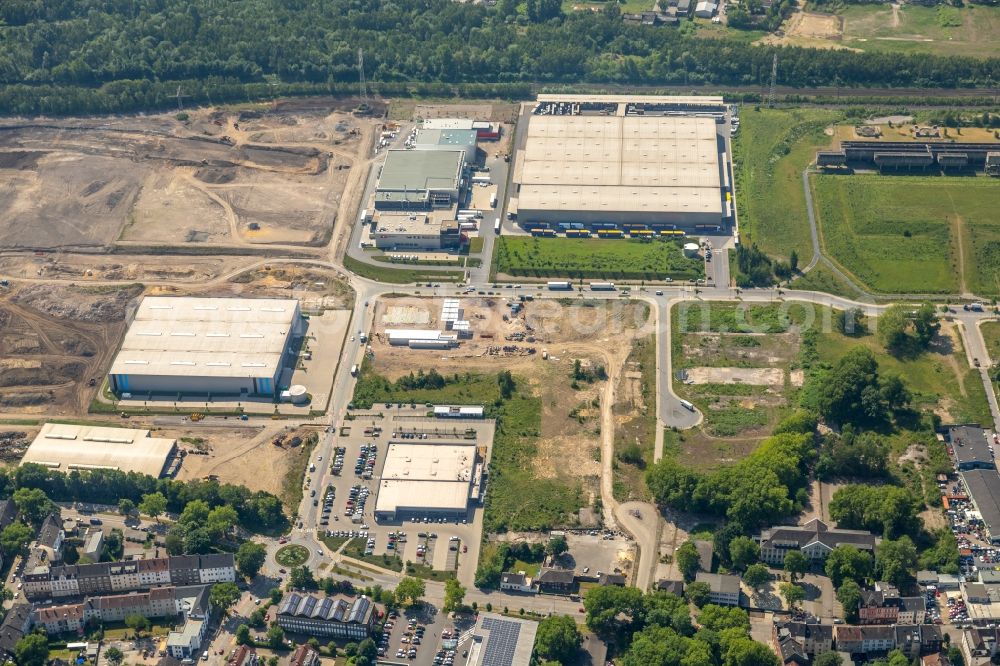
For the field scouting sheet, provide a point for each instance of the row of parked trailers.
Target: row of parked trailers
(609, 233)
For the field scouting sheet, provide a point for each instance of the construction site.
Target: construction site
(55, 344)
(206, 176)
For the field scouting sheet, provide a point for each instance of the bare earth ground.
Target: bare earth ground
(53, 340)
(82, 183)
(84, 267)
(244, 456)
(809, 29)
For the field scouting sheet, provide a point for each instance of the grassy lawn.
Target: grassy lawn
(530, 569)
(770, 151)
(625, 259)
(516, 499)
(991, 334)
(291, 555)
(967, 31)
(291, 485)
(899, 234)
(821, 278)
(940, 380)
(397, 275)
(476, 244)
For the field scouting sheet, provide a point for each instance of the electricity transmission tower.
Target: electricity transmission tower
(361, 74)
(774, 80)
(179, 96)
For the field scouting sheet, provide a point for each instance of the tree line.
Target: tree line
(98, 56)
(255, 510)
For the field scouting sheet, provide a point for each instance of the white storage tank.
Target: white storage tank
(298, 394)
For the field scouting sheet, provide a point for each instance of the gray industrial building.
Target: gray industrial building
(206, 346)
(984, 490)
(909, 155)
(448, 140)
(415, 180)
(657, 161)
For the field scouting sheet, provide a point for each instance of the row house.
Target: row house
(912, 639)
(884, 605)
(44, 582)
(158, 602)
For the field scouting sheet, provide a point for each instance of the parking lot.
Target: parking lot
(347, 506)
(424, 638)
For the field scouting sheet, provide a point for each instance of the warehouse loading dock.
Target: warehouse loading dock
(656, 161)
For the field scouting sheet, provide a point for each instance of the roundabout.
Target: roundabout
(292, 555)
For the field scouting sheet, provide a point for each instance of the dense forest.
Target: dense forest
(66, 56)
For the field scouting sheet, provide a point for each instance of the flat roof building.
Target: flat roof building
(653, 169)
(502, 641)
(970, 447)
(67, 447)
(448, 139)
(420, 179)
(400, 231)
(427, 479)
(984, 490)
(218, 346)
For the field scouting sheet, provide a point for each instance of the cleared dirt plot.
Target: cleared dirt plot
(84, 267)
(809, 29)
(170, 209)
(89, 183)
(64, 200)
(243, 456)
(54, 341)
(281, 208)
(968, 30)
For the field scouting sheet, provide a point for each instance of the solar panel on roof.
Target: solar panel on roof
(502, 642)
(308, 605)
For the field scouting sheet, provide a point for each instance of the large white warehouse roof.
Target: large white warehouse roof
(426, 476)
(207, 337)
(68, 447)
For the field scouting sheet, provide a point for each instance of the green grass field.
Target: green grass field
(966, 31)
(624, 259)
(898, 234)
(770, 151)
(991, 335)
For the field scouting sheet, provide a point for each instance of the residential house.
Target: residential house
(917, 639)
(243, 656)
(912, 610)
(815, 540)
(865, 639)
(13, 628)
(683, 7)
(8, 513)
(555, 581)
(304, 655)
(516, 582)
(611, 579)
(671, 586)
(979, 645)
(812, 637)
(790, 652)
(724, 588)
(93, 545)
(159, 602)
(876, 608)
(338, 616)
(704, 554)
(193, 604)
